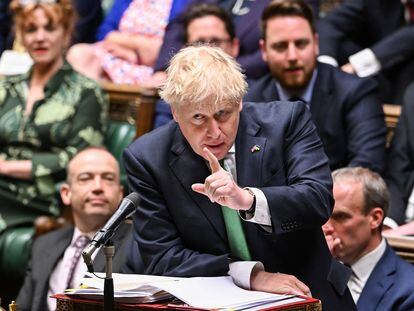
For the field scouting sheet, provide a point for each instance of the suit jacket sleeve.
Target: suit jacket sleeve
(305, 200)
(365, 126)
(162, 250)
(395, 48)
(346, 22)
(342, 23)
(400, 166)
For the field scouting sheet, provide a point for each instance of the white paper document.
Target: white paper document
(197, 292)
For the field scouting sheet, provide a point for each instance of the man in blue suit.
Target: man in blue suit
(260, 215)
(372, 38)
(380, 279)
(346, 111)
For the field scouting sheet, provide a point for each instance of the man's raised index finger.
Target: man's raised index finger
(212, 160)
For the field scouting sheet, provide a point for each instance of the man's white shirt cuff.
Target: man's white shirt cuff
(261, 214)
(365, 63)
(240, 272)
(326, 59)
(391, 223)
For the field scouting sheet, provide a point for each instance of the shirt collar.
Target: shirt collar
(77, 233)
(364, 266)
(305, 93)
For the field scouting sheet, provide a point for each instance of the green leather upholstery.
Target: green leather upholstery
(118, 136)
(15, 244)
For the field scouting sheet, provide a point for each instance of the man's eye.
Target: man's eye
(280, 47)
(222, 114)
(301, 44)
(198, 117)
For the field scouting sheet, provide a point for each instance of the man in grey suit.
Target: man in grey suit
(93, 191)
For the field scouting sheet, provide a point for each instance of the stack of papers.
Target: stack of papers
(197, 292)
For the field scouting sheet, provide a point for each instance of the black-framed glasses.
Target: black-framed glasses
(210, 42)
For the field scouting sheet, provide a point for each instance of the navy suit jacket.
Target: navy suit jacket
(46, 252)
(347, 114)
(181, 233)
(375, 24)
(390, 285)
(400, 164)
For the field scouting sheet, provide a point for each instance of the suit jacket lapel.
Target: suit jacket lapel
(321, 94)
(52, 255)
(249, 158)
(379, 282)
(269, 92)
(189, 168)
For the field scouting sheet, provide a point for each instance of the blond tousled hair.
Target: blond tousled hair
(200, 75)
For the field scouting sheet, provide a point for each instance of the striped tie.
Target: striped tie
(80, 244)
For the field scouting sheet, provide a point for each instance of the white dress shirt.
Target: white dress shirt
(361, 270)
(240, 271)
(60, 275)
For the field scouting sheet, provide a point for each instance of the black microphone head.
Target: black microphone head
(134, 198)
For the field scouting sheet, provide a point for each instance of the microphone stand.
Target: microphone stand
(109, 251)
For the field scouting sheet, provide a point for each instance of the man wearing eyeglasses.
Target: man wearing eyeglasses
(204, 23)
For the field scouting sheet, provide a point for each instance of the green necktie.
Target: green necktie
(235, 233)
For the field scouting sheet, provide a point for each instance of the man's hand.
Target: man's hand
(220, 187)
(334, 243)
(278, 283)
(348, 68)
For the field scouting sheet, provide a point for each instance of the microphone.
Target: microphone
(126, 208)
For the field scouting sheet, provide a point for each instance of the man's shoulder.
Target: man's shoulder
(343, 81)
(155, 141)
(272, 113)
(257, 87)
(52, 237)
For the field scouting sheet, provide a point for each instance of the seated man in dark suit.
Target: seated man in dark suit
(400, 170)
(372, 38)
(260, 215)
(93, 191)
(203, 23)
(346, 111)
(380, 279)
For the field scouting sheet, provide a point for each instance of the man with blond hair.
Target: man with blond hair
(234, 188)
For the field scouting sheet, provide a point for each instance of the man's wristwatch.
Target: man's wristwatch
(252, 208)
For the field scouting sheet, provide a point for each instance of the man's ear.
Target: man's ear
(121, 193)
(316, 38)
(174, 113)
(262, 45)
(376, 217)
(235, 47)
(66, 194)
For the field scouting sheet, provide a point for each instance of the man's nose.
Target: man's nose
(292, 54)
(214, 130)
(328, 227)
(97, 184)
